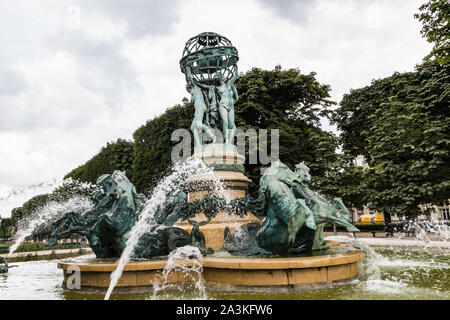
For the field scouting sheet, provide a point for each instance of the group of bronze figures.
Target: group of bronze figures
(293, 217)
(209, 63)
(214, 105)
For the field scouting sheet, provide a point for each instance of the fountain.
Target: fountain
(199, 225)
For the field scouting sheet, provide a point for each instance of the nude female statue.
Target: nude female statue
(228, 97)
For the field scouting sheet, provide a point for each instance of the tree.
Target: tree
(410, 157)
(153, 145)
(117, 155)
(6, 226)
(400, 123)
(435, 17)
(428, 85)
(293, 103)
(267, 97)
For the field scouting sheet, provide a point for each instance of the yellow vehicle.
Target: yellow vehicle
(369, 219)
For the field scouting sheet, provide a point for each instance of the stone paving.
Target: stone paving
(380, 239)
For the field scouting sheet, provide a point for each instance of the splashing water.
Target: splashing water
(11, 198)
(48, 214)
(422, 229)
(189, 261)
(372, 259)
(398, 271)
(180, 172)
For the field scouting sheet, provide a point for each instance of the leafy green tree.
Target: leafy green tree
(268, 99)
(410, 157)
(117, 155)
(400, 123)
(435, 18)
(153, 145)
(6, 226)
(428, 85)
(293, 103)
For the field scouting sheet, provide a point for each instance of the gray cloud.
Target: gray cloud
(142, 16)
(57, 113)
(12, 81)
(301, 11)
(297, 11)
(101, 66)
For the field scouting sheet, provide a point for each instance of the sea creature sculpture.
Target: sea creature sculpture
(106, 226)
(170, 211)
(198, 238)
(290, 207)
(117, 208)
(284, 214)
(324, 211)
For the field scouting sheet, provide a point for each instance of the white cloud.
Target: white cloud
(76, 74)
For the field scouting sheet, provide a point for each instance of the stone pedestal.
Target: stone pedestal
(228, 169)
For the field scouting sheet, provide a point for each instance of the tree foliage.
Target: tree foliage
(268, 99)
(153, 145)
(428, 85)
(435, 18)
(293, 103)
(410, 157)
(117, 155)
(401, 124)
(6, 227)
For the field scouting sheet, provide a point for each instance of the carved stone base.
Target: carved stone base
(234, 184)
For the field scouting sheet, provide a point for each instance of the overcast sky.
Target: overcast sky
(75, 74)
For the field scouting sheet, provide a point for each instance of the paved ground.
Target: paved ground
(32, 255)
(434, 241)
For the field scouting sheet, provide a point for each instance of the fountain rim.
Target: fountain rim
(271, 263)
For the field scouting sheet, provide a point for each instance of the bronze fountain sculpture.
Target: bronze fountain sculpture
(286, 219)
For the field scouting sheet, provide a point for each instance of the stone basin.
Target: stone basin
(225, 273)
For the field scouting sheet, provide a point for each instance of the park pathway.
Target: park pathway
(45, 254)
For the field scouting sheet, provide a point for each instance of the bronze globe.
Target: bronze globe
(209, 55)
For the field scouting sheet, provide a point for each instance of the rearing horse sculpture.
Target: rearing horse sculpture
(324, 212)
(284, 214)
(117, 208)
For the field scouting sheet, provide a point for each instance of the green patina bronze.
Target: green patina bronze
(210, 64)
(5, 267)
(237, 167)
(324, 212)
(117, 208)
(294, 215)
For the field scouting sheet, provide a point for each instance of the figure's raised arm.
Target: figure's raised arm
(188, 73)
(202, 85)
(235, 75)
